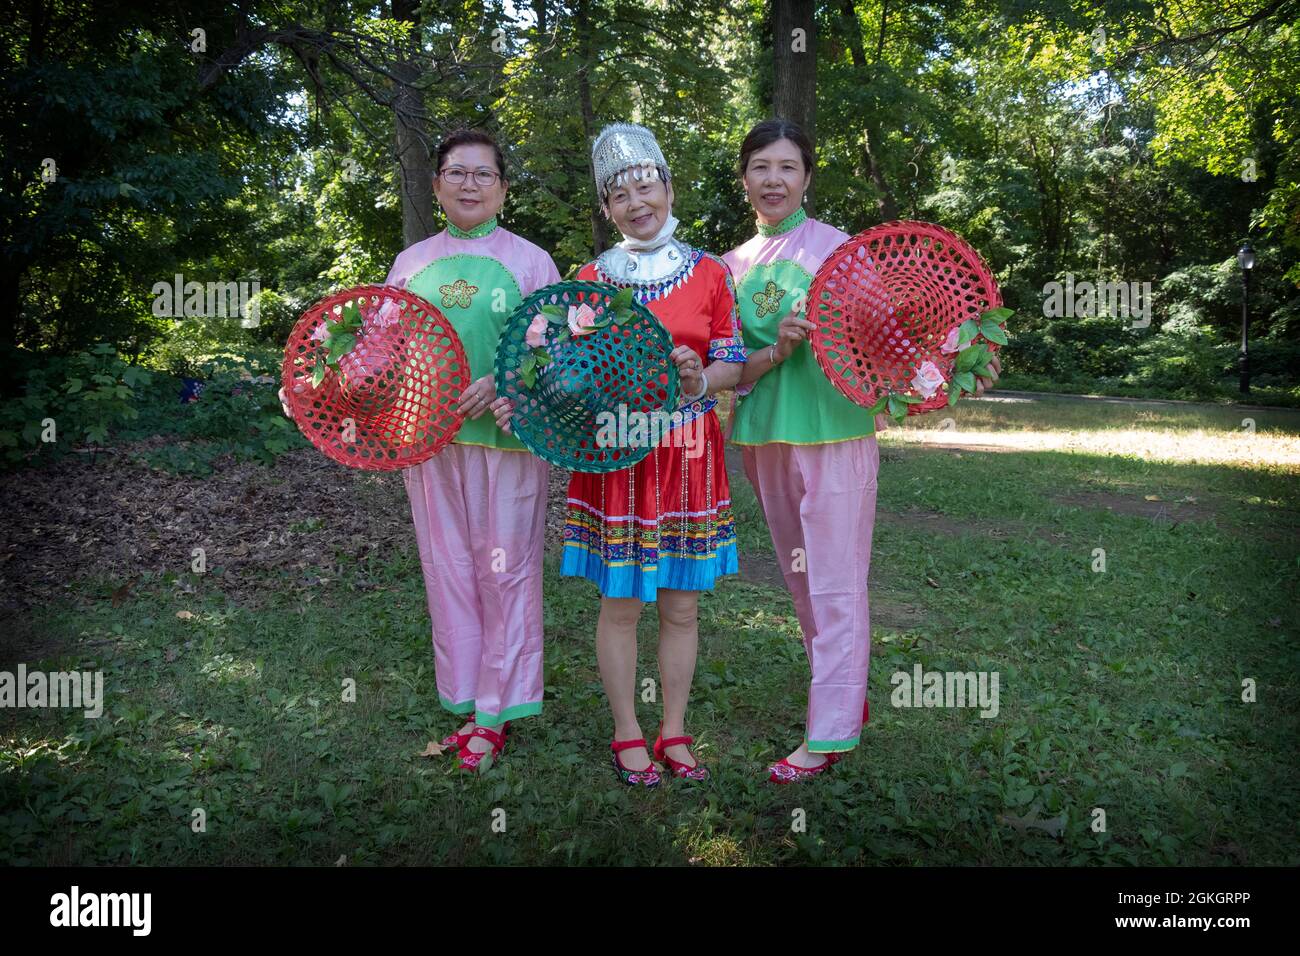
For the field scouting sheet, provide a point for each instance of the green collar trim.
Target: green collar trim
(795, 218)
(478, 232)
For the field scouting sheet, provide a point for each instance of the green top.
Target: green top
(793, 402)
(477, 295)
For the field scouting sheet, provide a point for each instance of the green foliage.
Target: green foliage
(78, 400)
(1005, 123)
(96, 397)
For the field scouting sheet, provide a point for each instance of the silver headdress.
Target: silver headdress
(625, 151)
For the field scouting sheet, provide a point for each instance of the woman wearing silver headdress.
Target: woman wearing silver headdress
(663, 530)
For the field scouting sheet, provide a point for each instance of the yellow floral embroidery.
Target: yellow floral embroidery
(769, 300)
(458, 293)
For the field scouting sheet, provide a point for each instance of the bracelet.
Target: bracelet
(703, 391)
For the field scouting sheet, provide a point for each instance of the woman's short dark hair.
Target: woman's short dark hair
(470, 137)
(770, 131)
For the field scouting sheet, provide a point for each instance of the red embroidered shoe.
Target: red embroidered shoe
(678, 769)
(634, 778)
(866, 712)
(457, 740)
(469, 760)
(786, 772)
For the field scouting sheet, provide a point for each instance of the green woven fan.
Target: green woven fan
(576, 359)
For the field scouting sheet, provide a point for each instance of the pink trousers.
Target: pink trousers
(820, 505)
(480, 518)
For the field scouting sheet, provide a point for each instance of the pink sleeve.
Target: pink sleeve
(396, 275)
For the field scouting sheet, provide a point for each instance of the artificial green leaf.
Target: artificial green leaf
(351, 316)
(966, 380)
(557, 313)
(623, 300)
(881, 403)
(967, 331)
(997, 316)
(528, 370)
(991, 331)
(318, 374)
(970, 357)
(897, 408)
(340, 345)
(622, 316)
(911, 399)
(953, 394)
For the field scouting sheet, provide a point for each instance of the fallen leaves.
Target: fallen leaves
(435, 749)
(129, 520)
(121, 594)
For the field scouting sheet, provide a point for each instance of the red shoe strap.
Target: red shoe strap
(494, 738)
(676, 741)
(618, 745)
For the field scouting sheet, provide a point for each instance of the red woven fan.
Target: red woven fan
(890, 305)
(372, 376)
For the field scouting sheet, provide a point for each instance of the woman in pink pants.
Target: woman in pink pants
(479, 505)
(809, 452)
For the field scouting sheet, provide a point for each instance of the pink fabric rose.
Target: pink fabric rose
(582, 319)
(928, 379)
(950, 343)
(389, 313)
(536, 334)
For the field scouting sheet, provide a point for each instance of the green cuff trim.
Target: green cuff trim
(832, 746)
(510, 713)
(464, 707)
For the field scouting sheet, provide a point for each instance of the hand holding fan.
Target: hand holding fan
(907, 316)
(372, 376)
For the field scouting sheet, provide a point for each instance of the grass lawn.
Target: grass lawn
(1120, 690)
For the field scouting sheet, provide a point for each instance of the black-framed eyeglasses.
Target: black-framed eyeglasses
(454, 176)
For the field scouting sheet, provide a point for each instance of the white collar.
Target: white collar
(640, 261)
(656, 241)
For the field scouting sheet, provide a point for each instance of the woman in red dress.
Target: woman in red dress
(662, 530)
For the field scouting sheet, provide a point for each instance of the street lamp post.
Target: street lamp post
(1246, 259)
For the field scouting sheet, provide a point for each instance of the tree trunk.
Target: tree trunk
(599, 227)
(411, 137)
(886, 204)
(795, 69)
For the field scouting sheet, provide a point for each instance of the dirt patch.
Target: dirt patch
(114, 518)
(1157, 511)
